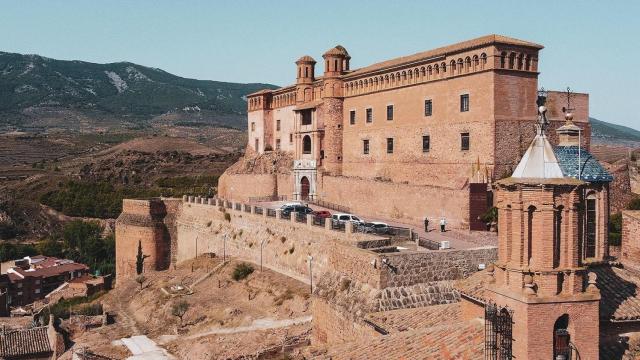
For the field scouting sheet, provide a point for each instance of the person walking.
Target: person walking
(426, 224)
(443, 223)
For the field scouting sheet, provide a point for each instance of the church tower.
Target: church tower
(548, 234)
(336, 63)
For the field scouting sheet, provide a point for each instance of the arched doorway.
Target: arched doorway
(304, 188)
(306, 144)
(561, 338)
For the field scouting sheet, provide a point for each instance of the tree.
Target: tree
(634, 204)
(140, 279)
(140, 259)
(179, 308)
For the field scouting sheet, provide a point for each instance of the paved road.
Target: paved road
(258, 324)
(144, 348)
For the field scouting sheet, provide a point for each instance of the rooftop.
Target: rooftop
(24, 342)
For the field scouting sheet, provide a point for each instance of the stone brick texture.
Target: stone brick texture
(631, 236)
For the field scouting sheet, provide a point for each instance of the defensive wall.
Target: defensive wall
(353, 274)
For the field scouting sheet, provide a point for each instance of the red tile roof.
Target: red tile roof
(414, 319)
(24, 342)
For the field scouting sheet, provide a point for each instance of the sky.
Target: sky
(591, 46)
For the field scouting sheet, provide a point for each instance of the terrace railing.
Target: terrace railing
(268, 198)
(259, 210)
(271, 212)
(329, 205)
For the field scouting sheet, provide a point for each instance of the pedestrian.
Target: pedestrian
(443, 223)
(426, 224)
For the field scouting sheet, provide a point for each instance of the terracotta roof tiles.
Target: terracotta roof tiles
(17, 343)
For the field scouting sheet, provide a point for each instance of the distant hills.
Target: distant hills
(604, 132)
(117, 90)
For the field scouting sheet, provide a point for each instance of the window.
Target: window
(428, 107)
(590, 240)
(290, 138)
(352, 117)
(277, 125)
(464, 102)
(389, 112)
(306, 144)
(425, 143)
(306, 117)
(253, 126)
(37, 291)
(464, 141)
(389, 145)
(365, 147)
(321, 154)
(257, 145)
(277, 144)
(369, 115)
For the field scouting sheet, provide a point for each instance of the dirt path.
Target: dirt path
(258, 324)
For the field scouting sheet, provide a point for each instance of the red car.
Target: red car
(321, 214)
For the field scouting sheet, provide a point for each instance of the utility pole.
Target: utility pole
(224, 249)
(310, 258)
(261, 246)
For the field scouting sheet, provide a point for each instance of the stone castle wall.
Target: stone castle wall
(630, 247)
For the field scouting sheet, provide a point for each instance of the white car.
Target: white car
(340, 219)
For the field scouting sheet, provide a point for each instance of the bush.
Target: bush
(615, 229)
(490, 216)
(241, 271)
(634, 204)
(227, 216)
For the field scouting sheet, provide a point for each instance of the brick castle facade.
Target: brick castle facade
(427, 125)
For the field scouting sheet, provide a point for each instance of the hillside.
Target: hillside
(604, 132)
(33, 87)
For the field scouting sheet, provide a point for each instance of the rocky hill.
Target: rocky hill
(33, 87)
(612, 134)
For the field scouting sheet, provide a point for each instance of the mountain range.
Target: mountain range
(66, 93)
(122, 89)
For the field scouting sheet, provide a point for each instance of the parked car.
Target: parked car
(341, 219)
(300, 209)
(321, 214)
(374, 227)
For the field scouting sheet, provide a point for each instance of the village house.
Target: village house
(32, 278)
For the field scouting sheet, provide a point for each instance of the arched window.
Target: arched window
(443, 67)
(557, 236)
(335, 65)
(512, 60)
(452, 67)
(527, 62)
(299, 72)
(503, 57)
(436, 69)
(520, 62)
(460, 66)
(530, 214)
(306, 71)
(306, 144)
(476, 63)
(561, 338)
(423, 72)
(430, 71)
(483, 60)
(591, 220)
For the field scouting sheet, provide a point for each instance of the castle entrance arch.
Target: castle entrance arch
(304, 188)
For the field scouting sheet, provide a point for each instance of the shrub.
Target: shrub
(615, 229)
(227, 216)
(292, 249)
(283, 239)
(179, 308)
(287, 295)
(241, 271)
(634, 204)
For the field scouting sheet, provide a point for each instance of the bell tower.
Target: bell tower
(541, 273)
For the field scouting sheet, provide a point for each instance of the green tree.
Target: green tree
(179, 309)
(140, 259)
(50, 247)
(634, 204)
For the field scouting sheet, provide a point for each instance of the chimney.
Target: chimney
(569, 133)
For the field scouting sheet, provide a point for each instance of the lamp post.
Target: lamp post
(224, 248)
(310, 258)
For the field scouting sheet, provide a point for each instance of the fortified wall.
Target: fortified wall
(353, 274)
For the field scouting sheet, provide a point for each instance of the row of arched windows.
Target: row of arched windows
(255, 102)
(284, 99)
(417, 75)
(517, 61)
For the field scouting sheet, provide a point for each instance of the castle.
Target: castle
(548, 290)
(408, 138)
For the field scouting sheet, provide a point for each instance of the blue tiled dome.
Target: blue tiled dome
(590, 168)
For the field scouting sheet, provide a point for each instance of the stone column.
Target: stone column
(293, 216)
(198, 200)
(278, 213)
(253, 209)
(327, 223)
(185, 198)
(348, 227)
(309, 220)
(211, 200)
(190, 198)
(264, 212)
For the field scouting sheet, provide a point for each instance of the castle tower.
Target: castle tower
(551, 211)
(336, 63)
(305, 70)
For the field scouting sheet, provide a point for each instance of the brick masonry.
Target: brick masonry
(630, 247)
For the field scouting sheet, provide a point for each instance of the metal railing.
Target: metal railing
(319, 221)
(259, 210)
(329, 205)
(268, 198)
(247, 208)
(301, 217)
(271, 212)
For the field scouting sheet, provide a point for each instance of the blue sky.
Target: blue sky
(591, 46)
